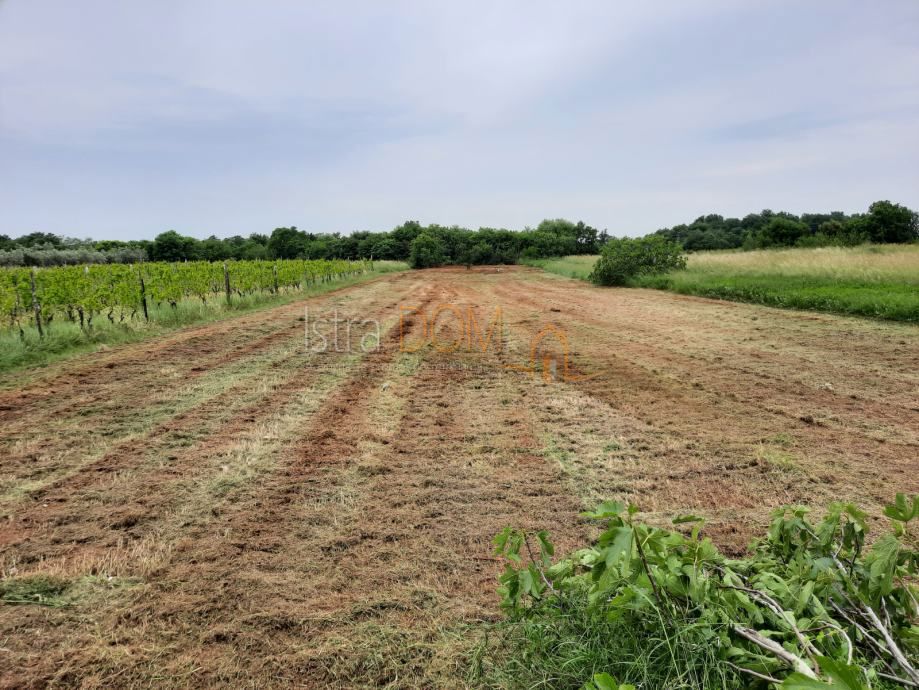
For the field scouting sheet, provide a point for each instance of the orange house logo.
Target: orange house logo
(548, 363)
(467, 333)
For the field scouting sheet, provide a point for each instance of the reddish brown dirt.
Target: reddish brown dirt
(231, 509)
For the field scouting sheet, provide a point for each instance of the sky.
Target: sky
(120, 120)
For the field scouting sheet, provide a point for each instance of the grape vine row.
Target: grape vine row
(37, 296)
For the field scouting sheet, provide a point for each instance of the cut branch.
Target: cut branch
(792, 660)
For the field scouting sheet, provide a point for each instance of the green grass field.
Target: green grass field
(568, 266)
(878, 281)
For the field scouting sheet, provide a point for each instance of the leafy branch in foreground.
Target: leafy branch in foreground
(811, 607)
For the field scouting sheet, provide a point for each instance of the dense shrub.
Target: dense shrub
(627, 258)
(813, 606)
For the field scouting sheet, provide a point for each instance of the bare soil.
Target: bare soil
(228, 507)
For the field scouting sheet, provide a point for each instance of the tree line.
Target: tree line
(885, 222)
(434, 245)
(422, 245)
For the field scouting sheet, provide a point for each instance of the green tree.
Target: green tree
(557, 226)
(385, 248)
(586, 238)
(781, 231)
(480, 253)
(215, 249)
(287, 243)
(405, 234)
(171, 246)
(37, 239)
(426, 251)
(889, 222)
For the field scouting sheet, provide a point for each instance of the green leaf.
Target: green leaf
(547, 545)
(883, 565)
(903, 509)
(604, 681)
(847, 677)
(537, 587)
(526, 581)
(605, 510)
(798, 681)
(804, 597)
(682, 519)
(844, 677)
(561, 569)
(500, 540)
(621, 543)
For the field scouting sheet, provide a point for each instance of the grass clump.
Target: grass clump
(811, 607)
(563, 642)
(44, 590)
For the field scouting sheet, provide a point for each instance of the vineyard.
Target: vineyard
(119, 292)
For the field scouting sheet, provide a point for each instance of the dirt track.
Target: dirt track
(232, 508)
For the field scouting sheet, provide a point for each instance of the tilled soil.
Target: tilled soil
(230, 507)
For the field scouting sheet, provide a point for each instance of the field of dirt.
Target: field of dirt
(229, 506)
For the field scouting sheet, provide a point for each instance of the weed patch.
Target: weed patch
(42, 590)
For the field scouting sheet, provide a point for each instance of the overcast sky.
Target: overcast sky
(123, 119)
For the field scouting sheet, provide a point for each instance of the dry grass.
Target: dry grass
(869, 263)
(127, 559)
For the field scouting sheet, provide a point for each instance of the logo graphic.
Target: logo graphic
(448, 328)
(549, 361)
(463, 324)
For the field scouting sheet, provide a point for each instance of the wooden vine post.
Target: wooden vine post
(143, 294)
(36, 306)
(226, 280)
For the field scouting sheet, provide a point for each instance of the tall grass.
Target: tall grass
(562, 642)
(870, 263)
(64, 338)
(878, 281)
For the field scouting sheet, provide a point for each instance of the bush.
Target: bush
(627, 258)
(812, 604)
